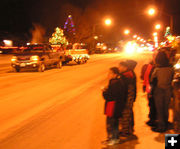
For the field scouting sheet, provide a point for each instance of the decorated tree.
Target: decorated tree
(69, 29)
(58, 37)
(168, 32)
(69, 25)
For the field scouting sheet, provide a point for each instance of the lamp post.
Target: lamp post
(152, 12)
(157, 26)
(155, 34)
(126, 31)
(107, 22)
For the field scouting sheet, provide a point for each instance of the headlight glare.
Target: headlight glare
(35, 58)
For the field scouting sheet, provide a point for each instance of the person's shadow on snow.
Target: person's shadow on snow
(125, 145)
(161, 136)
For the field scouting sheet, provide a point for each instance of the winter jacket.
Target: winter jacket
(164, 77)
(116, 91)
(130, 78)
(143, 70)
(147, 76)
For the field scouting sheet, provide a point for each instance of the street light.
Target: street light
(108, 22)
(155, 34)
(96, 37)
(157, 26)
(126, 32)
(151, 11)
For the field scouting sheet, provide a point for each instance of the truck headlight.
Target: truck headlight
(13, 59)
(34, 58)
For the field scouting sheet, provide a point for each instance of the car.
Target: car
(37, 56)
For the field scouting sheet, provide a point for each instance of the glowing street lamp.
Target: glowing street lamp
(126, 32)
(95, 37)
(108, 22)
(151, 11)
(155, 34)
(157, 26)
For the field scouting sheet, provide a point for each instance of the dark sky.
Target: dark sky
(17, 16)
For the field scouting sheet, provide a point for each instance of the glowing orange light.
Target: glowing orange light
(155, 34)
(95, 37)
(135, 36)
(108, 22)
(151, 11)
(126, 32)
(158, 26)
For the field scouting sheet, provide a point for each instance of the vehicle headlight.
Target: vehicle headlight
(13, 59)
(177, 66)
(34, 58)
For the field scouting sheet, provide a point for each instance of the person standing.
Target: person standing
(126, 70)
(163, 73)
(114, 96)
(149, 87)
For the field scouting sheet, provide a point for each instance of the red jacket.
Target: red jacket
(146, 81)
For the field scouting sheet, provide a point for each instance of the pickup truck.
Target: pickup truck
(77, 53)
(37, 56)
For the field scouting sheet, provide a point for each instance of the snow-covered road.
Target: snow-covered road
(63, 109)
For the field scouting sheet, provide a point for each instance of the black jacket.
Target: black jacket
(116, 91)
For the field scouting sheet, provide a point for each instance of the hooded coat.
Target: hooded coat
(116, 92)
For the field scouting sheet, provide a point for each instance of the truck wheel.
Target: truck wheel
(59, 65)
(85, 61)
(79, 62)
(82, 60)
(41, 67)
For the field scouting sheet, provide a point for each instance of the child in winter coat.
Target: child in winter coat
(126, 69)
(114, 96)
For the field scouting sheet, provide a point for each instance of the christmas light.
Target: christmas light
(58, 37)
(71, 23)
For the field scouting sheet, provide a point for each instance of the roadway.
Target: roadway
(63, 108)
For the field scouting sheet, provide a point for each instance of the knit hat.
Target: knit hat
(124, 63)
(115, 70)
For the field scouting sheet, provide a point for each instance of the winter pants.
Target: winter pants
(162, 101)
(112, 126)
(128, 121)
(152, 108)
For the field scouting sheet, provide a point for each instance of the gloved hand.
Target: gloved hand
(144, 88)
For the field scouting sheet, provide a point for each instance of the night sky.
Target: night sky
(17, 16)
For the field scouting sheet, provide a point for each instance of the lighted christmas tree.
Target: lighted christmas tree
(58, 37)
(69, 25)
(168, 32)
